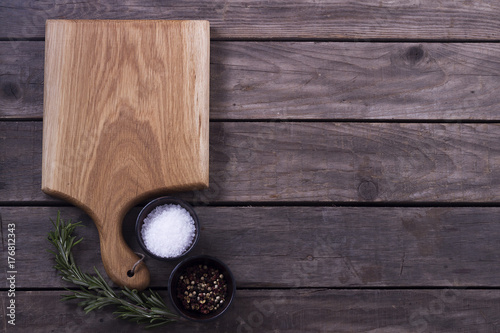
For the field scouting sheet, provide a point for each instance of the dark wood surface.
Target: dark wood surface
(285, 19)
(312, 80)
(354, 166)
(301, 247)
(312, 162)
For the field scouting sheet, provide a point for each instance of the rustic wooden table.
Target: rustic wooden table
(355, 166)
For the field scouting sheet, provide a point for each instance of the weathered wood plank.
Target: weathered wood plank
(321, 162)
(296, 246)
(355, 81)
(21, 79)
(340, 19)
(21, 162)
(314, 310)
(278, 80)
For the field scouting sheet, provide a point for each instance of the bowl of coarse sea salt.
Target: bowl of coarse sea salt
(167, 228)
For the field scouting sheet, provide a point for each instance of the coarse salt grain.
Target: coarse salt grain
(168, 231)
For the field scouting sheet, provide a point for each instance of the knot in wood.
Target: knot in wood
(11, 90)
(414, 54)
(367, 190)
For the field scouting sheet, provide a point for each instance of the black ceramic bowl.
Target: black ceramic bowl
(180, 269)
(160, 202)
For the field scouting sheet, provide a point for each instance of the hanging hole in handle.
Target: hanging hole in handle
(131, 272)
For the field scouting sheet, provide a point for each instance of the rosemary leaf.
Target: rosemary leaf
(94, 292)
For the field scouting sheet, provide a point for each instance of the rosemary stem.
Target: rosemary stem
(95, 293)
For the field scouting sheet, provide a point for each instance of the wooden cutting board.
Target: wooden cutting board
(125, 119)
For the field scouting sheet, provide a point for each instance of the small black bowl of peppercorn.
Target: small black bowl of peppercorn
(201, 288)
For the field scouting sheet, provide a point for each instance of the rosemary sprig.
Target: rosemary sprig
(94, 292)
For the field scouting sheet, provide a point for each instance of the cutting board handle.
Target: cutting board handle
(117, 257)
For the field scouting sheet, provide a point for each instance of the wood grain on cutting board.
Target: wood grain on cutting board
(126, 107)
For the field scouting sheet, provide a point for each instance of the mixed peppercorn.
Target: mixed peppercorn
(202, 289)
